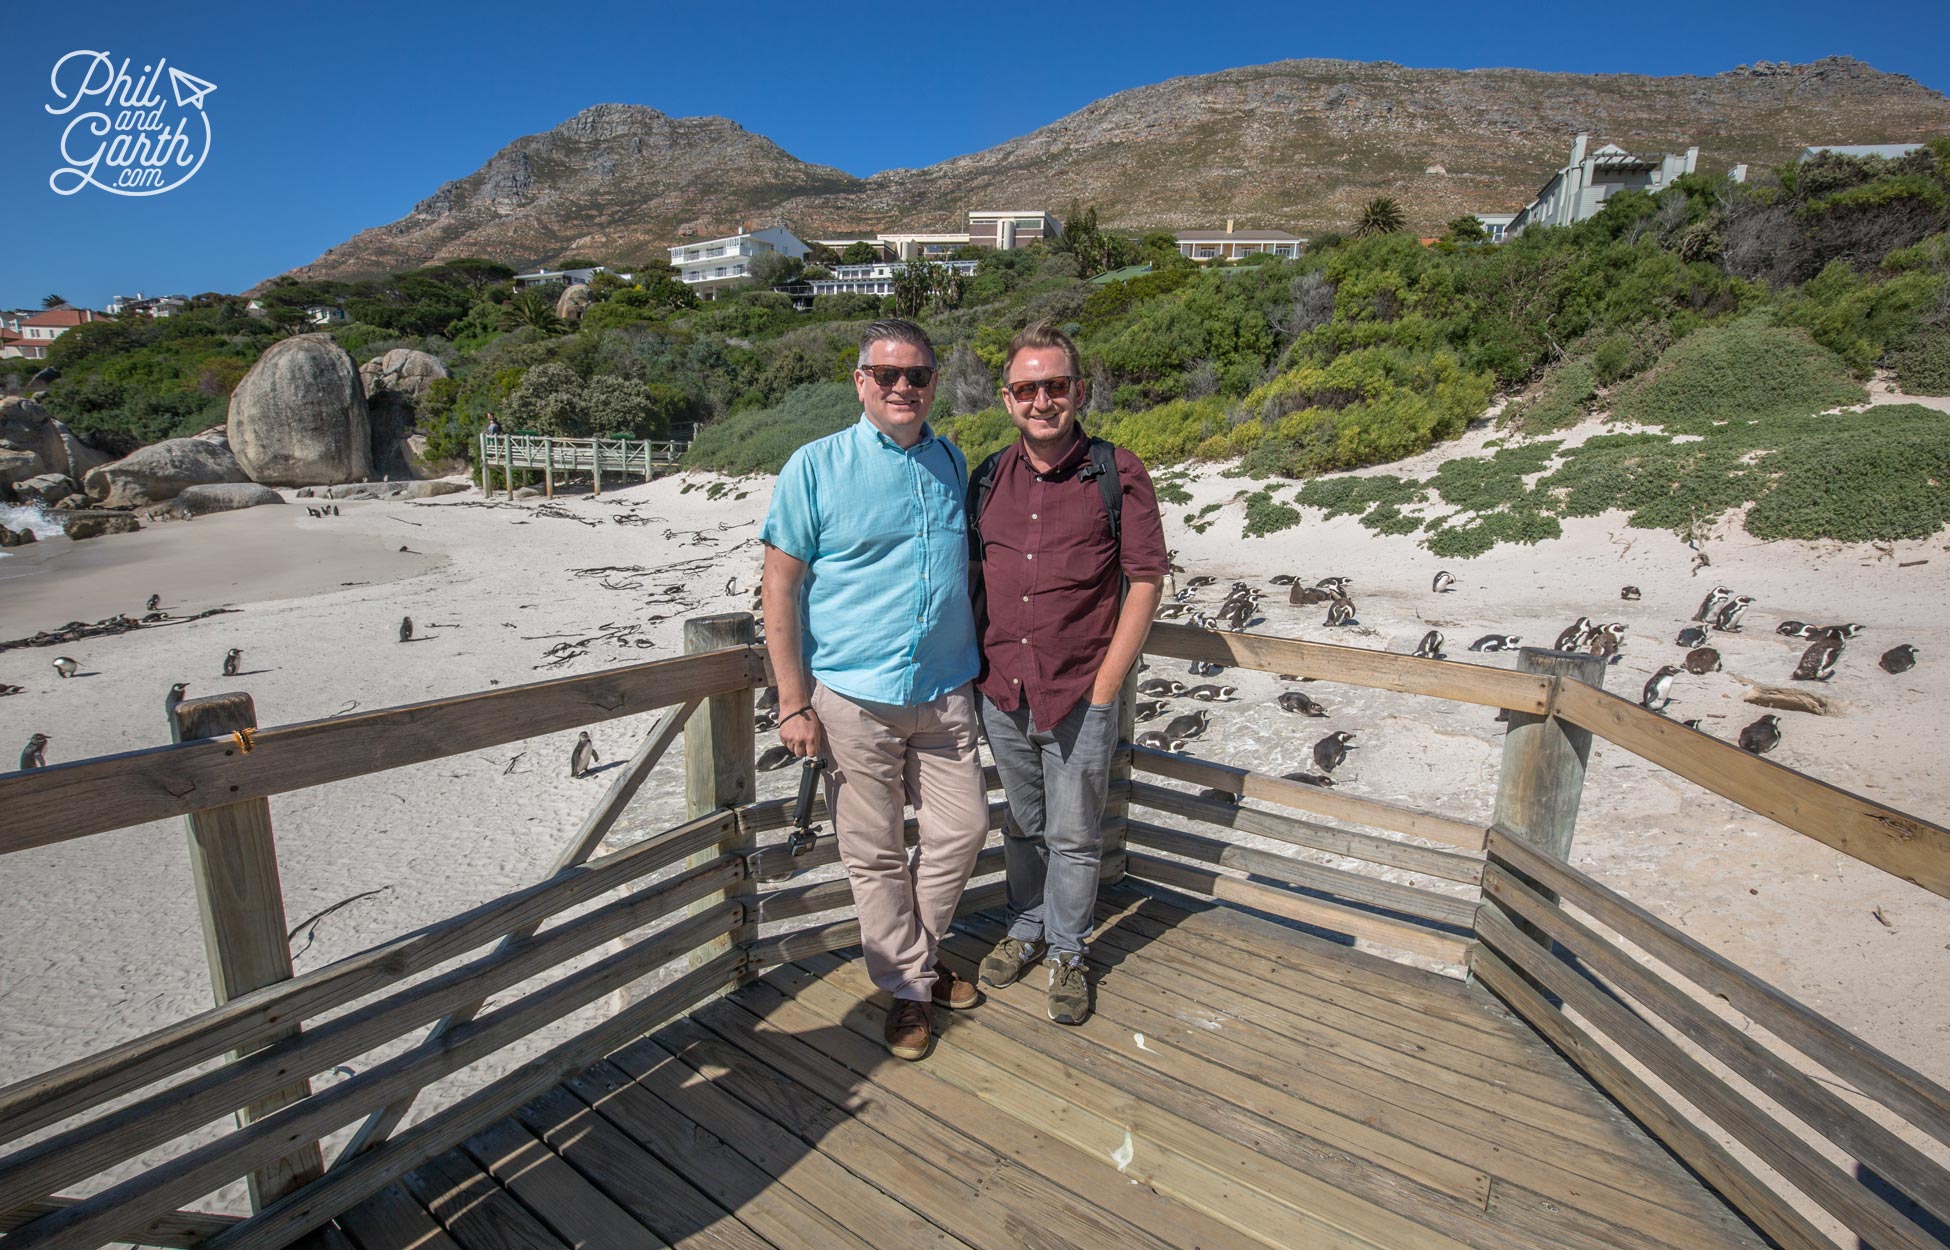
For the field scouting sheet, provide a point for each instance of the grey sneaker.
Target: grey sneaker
(1006, 963)
(1069, 988)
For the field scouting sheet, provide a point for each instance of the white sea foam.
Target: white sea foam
(33, 517)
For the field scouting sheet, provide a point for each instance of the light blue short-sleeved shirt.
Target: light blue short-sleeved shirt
(883, 531)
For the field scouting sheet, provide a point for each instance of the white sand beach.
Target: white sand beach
(99, 940)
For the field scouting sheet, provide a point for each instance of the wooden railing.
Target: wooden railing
(720, 896)
(619, 457)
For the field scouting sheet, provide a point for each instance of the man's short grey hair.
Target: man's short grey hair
(894, 330)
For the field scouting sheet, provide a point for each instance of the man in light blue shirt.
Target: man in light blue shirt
(872, 640)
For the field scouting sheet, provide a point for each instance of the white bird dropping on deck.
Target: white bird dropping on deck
(1123, 1155)
(1139, 1039)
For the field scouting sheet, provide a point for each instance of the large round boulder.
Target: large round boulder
(46, 489)
(82, 525)
(299, 416)
(161, 471)
(17, 465)
(223, 497)
(574, 301)
(403, 371)
(28, 427)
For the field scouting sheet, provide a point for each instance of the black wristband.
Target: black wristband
(801, 712)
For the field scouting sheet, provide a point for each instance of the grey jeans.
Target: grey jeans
(1053, 842)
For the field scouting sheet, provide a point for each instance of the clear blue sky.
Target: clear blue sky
(329, 118)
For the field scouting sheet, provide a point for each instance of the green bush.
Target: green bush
(1746, 370)
(1342, 496)
(1481, 483)
(1882, 474)
(1266, 515)
(1923, 364)
(760, 440)
(1560, 401)
(1519, 525)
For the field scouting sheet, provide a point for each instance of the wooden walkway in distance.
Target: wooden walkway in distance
(1240, 1085)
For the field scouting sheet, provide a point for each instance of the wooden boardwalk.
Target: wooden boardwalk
(1241, 1084)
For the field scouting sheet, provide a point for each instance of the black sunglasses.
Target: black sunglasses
(1024, 392)
(884, 376)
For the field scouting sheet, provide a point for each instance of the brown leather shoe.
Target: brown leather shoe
(953, 992)
(908, 1029)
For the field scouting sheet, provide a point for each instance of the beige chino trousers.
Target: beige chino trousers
(882, 756)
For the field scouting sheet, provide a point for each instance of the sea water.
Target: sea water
(33, 517)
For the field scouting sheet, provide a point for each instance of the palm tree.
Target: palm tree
(531, 308)
(53, 301)
(1381, 215)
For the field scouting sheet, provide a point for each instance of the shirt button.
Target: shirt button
(1025, 642)
(1029, 555)
(1032, 516)
(1016, 680)
(1025, 598)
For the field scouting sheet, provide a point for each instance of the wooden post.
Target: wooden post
(234, 864)
(720, 743)
(1541, 782)
(508, 463)
(596, 463)
(548, 466)
(1117, 806)
(647, 474)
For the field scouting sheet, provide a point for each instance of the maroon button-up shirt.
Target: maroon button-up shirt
(1053, 576)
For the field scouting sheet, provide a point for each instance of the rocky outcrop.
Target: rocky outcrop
(403, 371)
(574, 301)
(17, 465)
(299, 416)
(383, 490)
(222, 497)
(82, 525)
(46, 488)
(17, 538)
(161, 471)
(26, 426)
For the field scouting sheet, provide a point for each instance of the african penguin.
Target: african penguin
(1307, 596)
(1295, 701)
(1835, 631)
(1794, 629)
(1148, 709)
(1341, 612)
(1694, 637)
(1153, 740)
(1309, 779)
(230, 661)
(1215, 795)
(1444, 580)
(34, 754)
(1190, 725)
(1658, 688)
(1762, 736)
(1568, 640)
(1702, 660)
(170, 700)
(1898, 659)
(1281, 579)
(1330, 751)
(1213, 694)
(583, 756)
(774, 758)
(1337, 585)
(1496, 642)
(1161, 686)
(406, 629)
(65, 667)
(1710, 606)
(155, 601)
(1193, 583)
(1728, 619)
(1204, 668)
(1430, 648)
(1630, 593)
(1818, 661)
(1170, 611)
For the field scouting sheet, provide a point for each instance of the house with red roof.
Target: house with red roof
(40, 330)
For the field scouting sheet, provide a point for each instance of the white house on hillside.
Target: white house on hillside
(562, 277)
(1231, 244)
(1579, 190)
(877, 278)
(712, 264)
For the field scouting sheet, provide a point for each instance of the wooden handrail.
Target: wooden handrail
(1900, 844)
(185, 1229)
(1354, 666)
(66, 801)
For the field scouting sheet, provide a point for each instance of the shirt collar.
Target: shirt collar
(868, 429)
(1073, 456)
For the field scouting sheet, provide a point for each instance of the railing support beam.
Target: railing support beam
(720, 768)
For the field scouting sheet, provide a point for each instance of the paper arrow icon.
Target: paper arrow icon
(189, 89)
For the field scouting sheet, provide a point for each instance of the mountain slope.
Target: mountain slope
(1294, 144)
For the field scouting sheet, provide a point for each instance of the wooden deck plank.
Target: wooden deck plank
(474, 1209)
(1232, 1179)
(392, 1220)
(1273, 1075)
(574, 1210)
(635, 1179)
(879, 1218)
(1144, 1217)
(773, 1211)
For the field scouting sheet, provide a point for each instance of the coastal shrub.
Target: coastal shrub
(1168, 433)
(1882, 474)
(1923, 364)
(1480, 483)
(758, 440)
(1388, 518)
(1512, 525)
(1559, 402)
(1746, 370)
(1267, 515)
(978, 434)
(1351, 495)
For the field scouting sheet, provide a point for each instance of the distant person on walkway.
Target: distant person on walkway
(872, 638)
(493, 427)
(1070, 568)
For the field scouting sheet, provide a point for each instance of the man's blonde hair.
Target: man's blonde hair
(1038, 335)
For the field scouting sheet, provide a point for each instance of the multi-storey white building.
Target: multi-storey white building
(560, 277)
(1231, 244)
(1579, 190)
(875, 279)
(708, 266)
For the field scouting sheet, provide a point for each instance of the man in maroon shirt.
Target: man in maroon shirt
(1058, 632)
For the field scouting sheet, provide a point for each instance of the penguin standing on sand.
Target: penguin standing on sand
(1898, 659)
(155, 601)
(1818, 661)
(406, 629)
(1606, 640)
(1727, 621)
(1709, 607)
(1444, 581)
(1430, 648)
(1762, 736)
(34, 754)
(65, 667)
(1568, 640)
(170, 701)
(1331, 751)
(1658, 689)
(1341, 612)
(231, 659)
(583, 756)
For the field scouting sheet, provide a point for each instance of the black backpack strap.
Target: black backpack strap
(1103, 464)
(979, 484)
